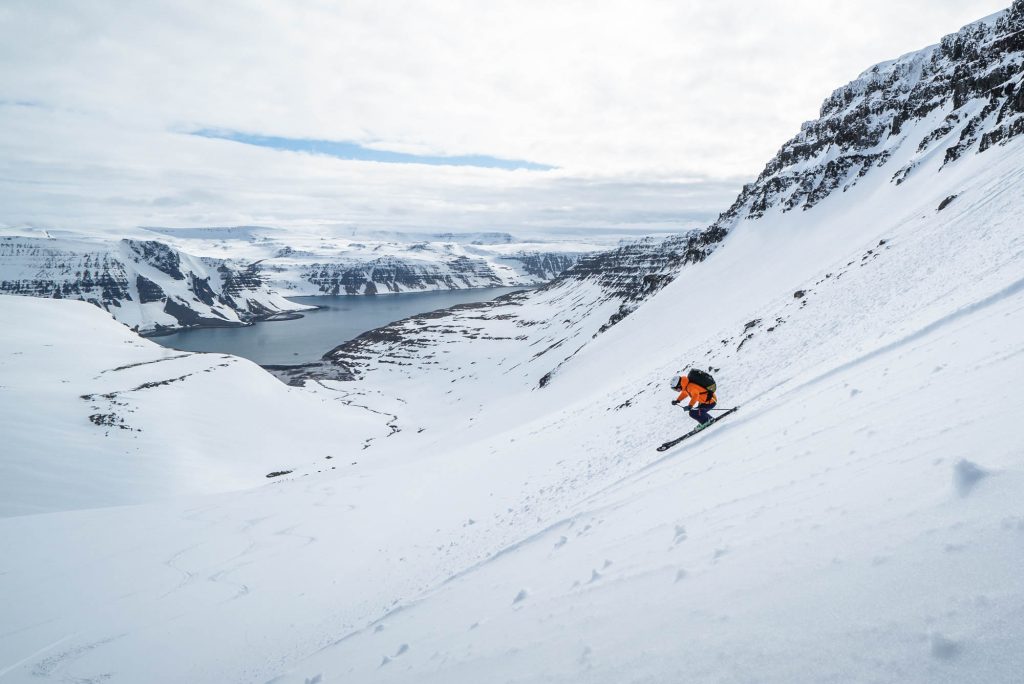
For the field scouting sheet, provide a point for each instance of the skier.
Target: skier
(699, 387)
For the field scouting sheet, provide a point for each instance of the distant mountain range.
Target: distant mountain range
(234, 276)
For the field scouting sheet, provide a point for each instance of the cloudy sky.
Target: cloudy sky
(520, 115)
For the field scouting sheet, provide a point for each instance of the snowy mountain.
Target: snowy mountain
(917, 115)
(371, 262)
(958, 98)
(146, 285)
(497, 510)
(234, 276)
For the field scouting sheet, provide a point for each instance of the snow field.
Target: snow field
(114, 419)
(873, 434)
(858, 519)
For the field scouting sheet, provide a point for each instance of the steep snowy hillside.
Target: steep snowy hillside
(93, 415)
(146, 285)
(959, 98)
(371, 262)
(858, 519)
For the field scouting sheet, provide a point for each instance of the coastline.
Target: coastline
(279, 316)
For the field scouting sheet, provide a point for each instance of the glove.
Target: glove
(675, 402)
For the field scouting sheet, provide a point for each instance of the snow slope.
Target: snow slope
(858, 519)
(93, 415)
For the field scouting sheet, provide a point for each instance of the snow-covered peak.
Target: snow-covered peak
(960, 96)
(147, 285)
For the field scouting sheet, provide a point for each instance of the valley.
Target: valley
(473, 493)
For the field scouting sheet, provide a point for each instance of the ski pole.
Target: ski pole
(713, 409)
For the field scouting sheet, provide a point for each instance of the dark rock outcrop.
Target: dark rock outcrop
(39, 268)
(973, 76)
(159, 256)
(544, 265)
(148, 290)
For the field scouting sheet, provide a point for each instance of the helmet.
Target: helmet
(677, 383)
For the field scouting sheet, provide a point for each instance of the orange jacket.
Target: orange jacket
(695, 393)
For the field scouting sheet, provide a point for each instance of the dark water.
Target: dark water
(341, 318)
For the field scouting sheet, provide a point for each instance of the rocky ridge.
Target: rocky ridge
(960, 96)
(393, 273)
(145, 284)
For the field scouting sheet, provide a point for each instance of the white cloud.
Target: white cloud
(621, 96)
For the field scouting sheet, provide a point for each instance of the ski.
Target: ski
(696, 430)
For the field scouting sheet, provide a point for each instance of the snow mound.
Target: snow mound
(93, 415)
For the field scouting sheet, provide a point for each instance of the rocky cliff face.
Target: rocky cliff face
(393, 274)
(297, 263)
(420, 268)
(93, 275)
(959, 97)
(145, 284)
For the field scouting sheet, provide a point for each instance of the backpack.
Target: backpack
(699, 377)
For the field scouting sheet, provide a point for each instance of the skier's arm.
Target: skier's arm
(685, 395)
